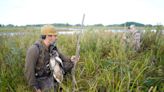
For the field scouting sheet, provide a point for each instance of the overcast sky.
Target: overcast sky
(22, 12)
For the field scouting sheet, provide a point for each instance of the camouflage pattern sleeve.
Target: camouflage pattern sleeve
(137, 38)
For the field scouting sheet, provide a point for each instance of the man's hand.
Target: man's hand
(38, 90)
(75, 59)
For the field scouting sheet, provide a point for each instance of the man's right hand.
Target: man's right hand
(38, 90)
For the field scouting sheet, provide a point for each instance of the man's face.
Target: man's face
(52, 38)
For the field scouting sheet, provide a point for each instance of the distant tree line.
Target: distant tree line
(9, 25)
(78, 25)
(131, 23)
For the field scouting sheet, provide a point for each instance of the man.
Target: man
(132, 38)
(37, 70)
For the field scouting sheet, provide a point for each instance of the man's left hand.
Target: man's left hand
(75, 59)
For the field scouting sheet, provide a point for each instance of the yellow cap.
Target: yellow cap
(48, 30)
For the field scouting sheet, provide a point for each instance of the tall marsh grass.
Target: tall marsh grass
(104, 66)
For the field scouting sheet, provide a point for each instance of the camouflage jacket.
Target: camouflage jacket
(133, 39)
